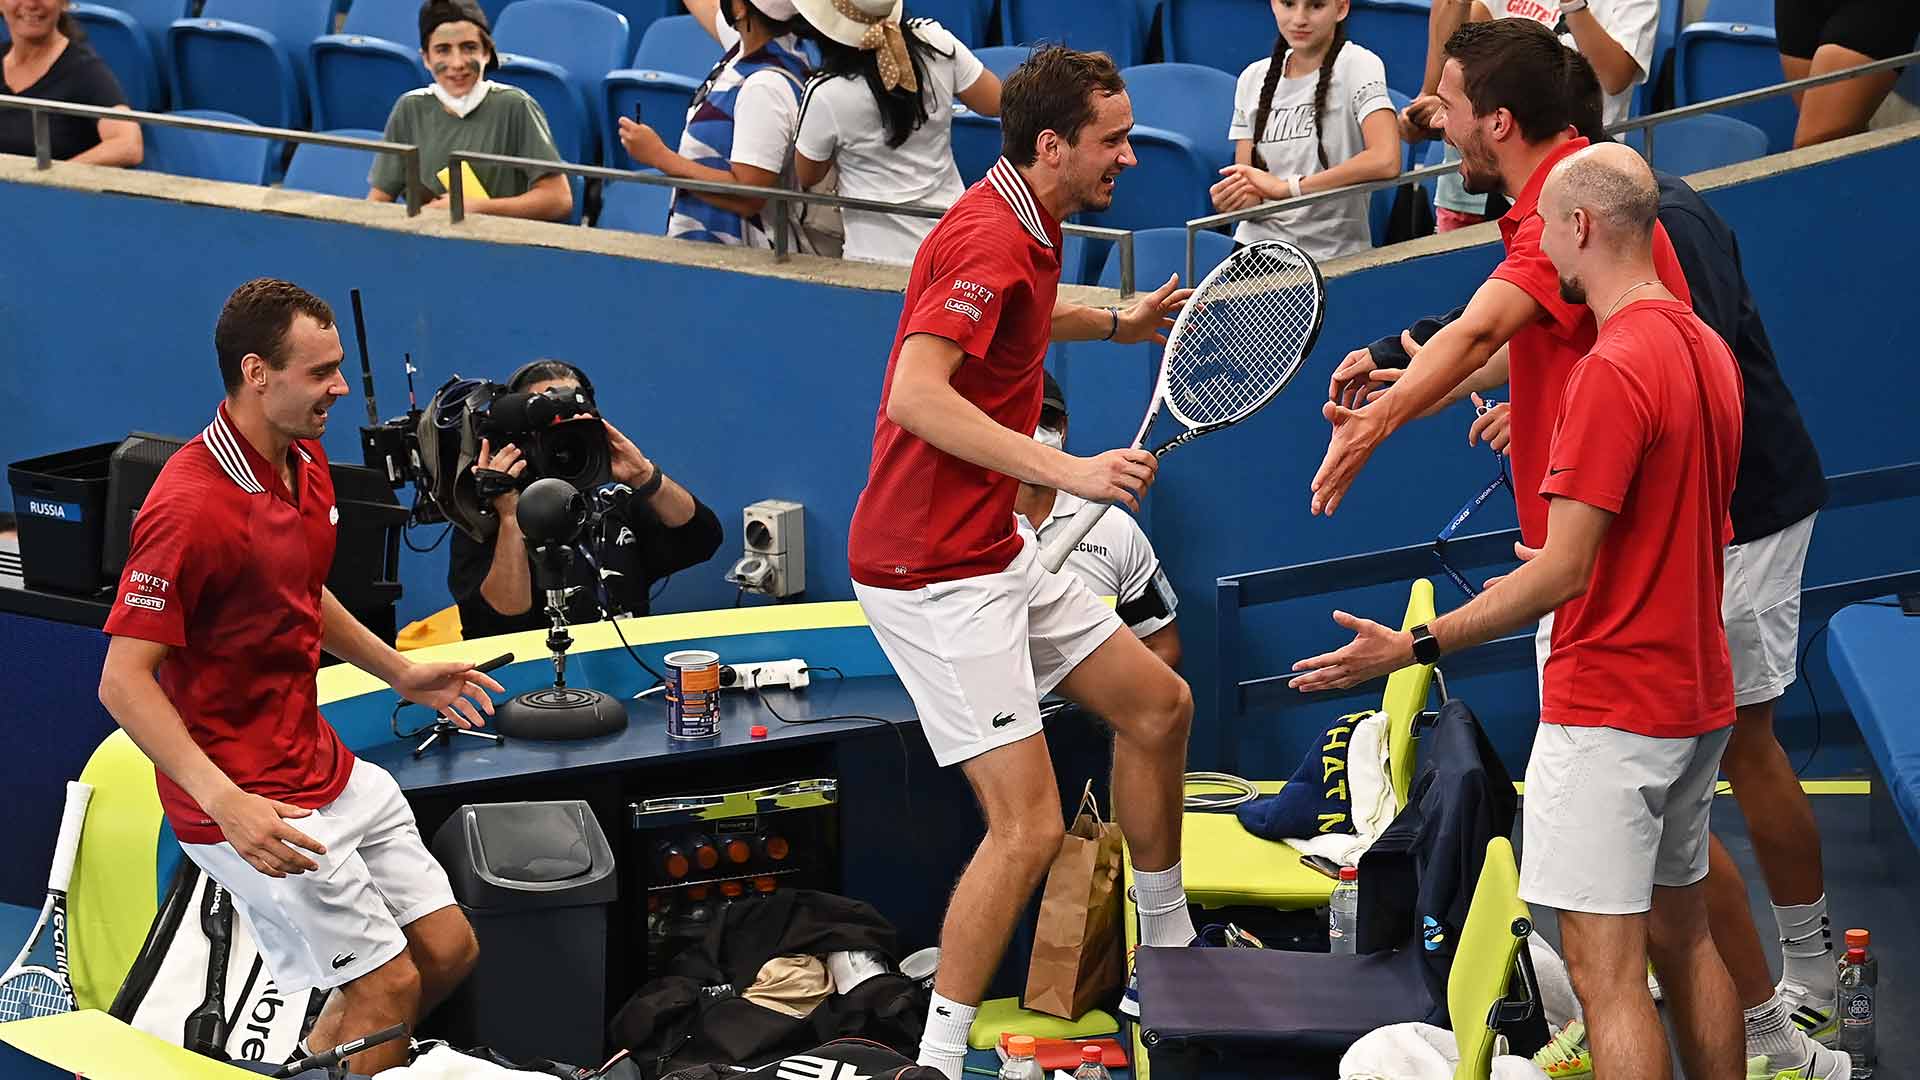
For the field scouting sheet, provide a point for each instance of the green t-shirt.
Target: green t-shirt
(507, 122)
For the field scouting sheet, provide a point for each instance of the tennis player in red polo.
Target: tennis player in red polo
(217, 628)
(1637, 702)
(976, 629)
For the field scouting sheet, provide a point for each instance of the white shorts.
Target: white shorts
(1761, 607)
(977, 654)
(328, 927)
(1608, 815)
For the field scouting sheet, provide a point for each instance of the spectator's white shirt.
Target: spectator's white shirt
(1632, 24)
(1291, 147)
(1115, 559)
(841, 121)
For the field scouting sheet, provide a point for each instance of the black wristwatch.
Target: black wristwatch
(1426, 648)
(646, 490)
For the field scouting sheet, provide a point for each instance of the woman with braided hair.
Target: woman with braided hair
(881, 108)
(1312, 117)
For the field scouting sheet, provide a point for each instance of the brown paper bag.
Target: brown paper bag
(1078, 962)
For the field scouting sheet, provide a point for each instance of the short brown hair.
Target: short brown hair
(256, 319)
(1052, 91)
(1516, 65)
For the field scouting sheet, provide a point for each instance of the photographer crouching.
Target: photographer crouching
(652, 528)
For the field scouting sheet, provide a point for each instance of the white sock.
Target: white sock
(1806, 948)
(943, 1045)
(1770, 1029)
(1161, 899)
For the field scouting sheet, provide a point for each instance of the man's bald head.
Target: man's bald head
(1614, 189)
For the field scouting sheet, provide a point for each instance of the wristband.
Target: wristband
(646, 490)
(1114, 314)
(1293, 187)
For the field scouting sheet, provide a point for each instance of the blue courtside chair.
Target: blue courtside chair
(1715, 59)
(1227, 34)
(1396, 31)
(358, 74)
(636, 208)
(332, 170)
(248, 57)
(1191, 99)
(125, 46)
(207, 155)
(678, 44)
(1698, 143)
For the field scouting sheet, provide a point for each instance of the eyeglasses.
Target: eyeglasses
(1500, 480)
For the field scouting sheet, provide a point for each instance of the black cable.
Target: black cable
(1819, 721)
(906, 763)
(393, 722)
(605, 596)
(738, 595)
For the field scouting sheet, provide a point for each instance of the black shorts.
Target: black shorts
(1876, 28)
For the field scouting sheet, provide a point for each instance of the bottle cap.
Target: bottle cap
(1020, 1045)
(738, 851)
(776, 847)
(1858, 939)
(757, 731)
(1856, 955)
(731, 889)
(1349, 873)
(1092, 1054)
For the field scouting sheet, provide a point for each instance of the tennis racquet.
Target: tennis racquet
(205, 1031)
(36, 983)
(1241, 338)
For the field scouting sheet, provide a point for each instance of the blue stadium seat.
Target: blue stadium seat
(156, 17)
(125, 46)
(1168, 187)
(1159, 252)
(677, 44)
(1649, 97)
(248, 57)
(332, 170)
(207, 155)
(638, 208)
(1380, 205)
(1002, 59)
(1400, 103)
(492, 9)
(1715, 59)
(967, 19)
(976, 143)
(358, 74)
(560, 51)
(662, 99)
(1227, 34)
(1091, 27)
(1396, 31)
(1698, 143)
(1193, 100)
(1758, 12)
(639, 14)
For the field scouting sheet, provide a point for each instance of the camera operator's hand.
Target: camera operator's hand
(630, 466)
(507, 461)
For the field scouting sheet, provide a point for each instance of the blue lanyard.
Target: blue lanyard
(1500, 480)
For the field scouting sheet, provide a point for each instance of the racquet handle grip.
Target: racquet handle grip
(60, 873)
(1054, 554)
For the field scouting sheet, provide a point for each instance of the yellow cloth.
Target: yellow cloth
(440, 628)
(792, 985)
(474, 189)
(95, 1045)
(1002, 1015)
(114, 896)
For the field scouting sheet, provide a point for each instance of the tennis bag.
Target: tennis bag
(841, 1059)
(200, 982)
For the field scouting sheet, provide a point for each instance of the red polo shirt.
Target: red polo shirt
(226, 567)
(1649, 430)
(1543, 353)
(986, 279)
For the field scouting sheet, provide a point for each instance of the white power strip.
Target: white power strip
(791, 674)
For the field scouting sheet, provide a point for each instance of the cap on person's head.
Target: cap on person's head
(437, 13)
(849, 22)
(778, 10)
(1053, 397)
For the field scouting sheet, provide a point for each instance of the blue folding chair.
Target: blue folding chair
(677, 44)
(208, 155)
(659, 99)
(358, 74)
(636, 208)
(1396, 31)
(248, 57)
(560, 51)
(1168, 187)
(965, 19)
(1002, 59)
(1757, 12)
(1111, 28)
(1698, 143)
(332, 170)
(1227, 34)
(124, 45)
(1193, 100)
(976, 143)
(1715, 59)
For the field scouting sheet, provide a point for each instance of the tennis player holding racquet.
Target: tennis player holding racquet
(975, 628)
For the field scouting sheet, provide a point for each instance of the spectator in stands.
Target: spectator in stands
(881, 108)
(1616, 37)
(1314, 116)
(463, 110)
(664, 530)
(1821, 36)
(741, 124)
(48, 58)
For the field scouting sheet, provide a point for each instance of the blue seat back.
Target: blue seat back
(155, 16)
(1193, 100)
(394, 20)
(205, 154)
(126, 48)
(293, 23)
(1698, 143)
(1159, 252)
(247, 57)
(1168, 187)
(585, 38)
(357, 79)
(1714, 60)
(639, 15)
(678, 44)
(966, 19)
(553, 88)
(1757, 12)
(976, 144)
(332, 170)
(1396, 31)
(1113, 28)
(1002, 59)
(638, 208)
(1227, 34)
(661, 98)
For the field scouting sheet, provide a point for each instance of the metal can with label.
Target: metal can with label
(693, 694)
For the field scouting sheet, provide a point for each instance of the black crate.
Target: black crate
(61, 503)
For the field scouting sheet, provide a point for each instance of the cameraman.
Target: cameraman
(664, 530)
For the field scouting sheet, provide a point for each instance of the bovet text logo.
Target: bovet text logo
(980, 293)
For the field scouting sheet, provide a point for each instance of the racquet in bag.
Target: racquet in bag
(1241, 338)
(37, 983)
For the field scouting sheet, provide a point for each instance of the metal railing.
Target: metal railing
(1647, 123)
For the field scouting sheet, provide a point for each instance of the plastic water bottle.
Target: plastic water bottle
(1020, 1064)
(1859, 977)
(1343, 913)
(1091, 1066)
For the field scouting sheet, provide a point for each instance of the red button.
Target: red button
(758, 731)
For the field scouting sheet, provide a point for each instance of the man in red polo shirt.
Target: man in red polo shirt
(1637, 701)
(976, 629)
(217, 629)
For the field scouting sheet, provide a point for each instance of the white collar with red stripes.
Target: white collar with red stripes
(230, 451)
(1013, 187)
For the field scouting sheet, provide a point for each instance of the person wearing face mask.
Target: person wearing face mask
(1116, 559)
(464, 110)
(740, 126)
